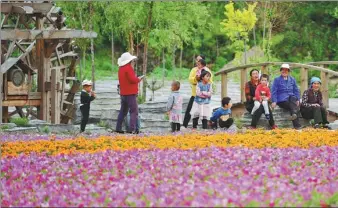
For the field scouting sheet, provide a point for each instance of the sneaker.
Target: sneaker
(274, 127)
(316, 126)
(293, 117)
(267, 116)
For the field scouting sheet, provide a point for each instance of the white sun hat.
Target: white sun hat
(125, 59)
(285, 66)
(87, 82)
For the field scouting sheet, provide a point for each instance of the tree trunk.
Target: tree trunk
(163, 60)
(131, 43)
(173, 62)
(254, 34)
(112, 50)
(264, 25)
(84, 63)
(181, 56)
(1, 75)
(217, 48)
(92, 46)
(145, 57)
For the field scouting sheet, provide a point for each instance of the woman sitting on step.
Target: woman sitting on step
(312, 104)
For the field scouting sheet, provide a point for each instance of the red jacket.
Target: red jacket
(128, 80)
(262, 91)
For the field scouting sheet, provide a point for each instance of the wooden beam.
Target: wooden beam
(21, 102)
(224, 85)
(26, 8)
(55, 97)
(70, 54)
(304, 80)
(14, 90)
(45, 34)
(30, 96)
(244, 76)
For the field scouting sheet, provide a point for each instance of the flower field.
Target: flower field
(256, 168)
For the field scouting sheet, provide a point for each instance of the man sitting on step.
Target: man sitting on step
(250, 89)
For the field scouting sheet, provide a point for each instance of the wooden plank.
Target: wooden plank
(244, 76)
(304, 80)
(14, 90)
(325, 88)
(55, 101)
(8, 34)
(224, 85)
(69, 54)
(30, 96)
(26, 8)
(21, 102)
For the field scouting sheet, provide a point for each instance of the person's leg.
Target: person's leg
(85, 117)
(256, 106)
(317, 114)
(256, 116)
(324, 115)
(228, 122)
(249, 106)
(195, 122)
(266, 107)
(204, 123)
(271, 120)
(133, 110)
(173, 126)
(178, 127)
(187, 115)
(122, 114)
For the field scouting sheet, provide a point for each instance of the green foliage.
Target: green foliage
(103, 124)
(21, 122)
(141, 99)
(4, 127)
(46, 130)
(238, 122)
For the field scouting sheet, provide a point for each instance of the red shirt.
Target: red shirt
(262, 91)
(128, 80)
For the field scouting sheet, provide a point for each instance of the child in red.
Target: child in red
(262, 96)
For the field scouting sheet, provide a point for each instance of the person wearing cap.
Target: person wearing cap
(312, 104)
(194, 78)
(87, 96)
(128, 92)
(285, 94)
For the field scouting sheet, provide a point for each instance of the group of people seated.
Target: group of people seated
(284, 93)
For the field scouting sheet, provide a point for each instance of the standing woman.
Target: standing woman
(128, 92)
(312, 104)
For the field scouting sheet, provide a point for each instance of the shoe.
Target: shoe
(325, 125)
(316, 126)
(293, 117)
(133, 132)
(119, 132)
(298, 127)
(267, 116)
(274, 127)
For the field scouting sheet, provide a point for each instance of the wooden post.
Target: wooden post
(224, 85)
(324, 76)
(5, 114)
(55, 97)
(243, 81)
(264, 70)
(1, 75)
(304, 77)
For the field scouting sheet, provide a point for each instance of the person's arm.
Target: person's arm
(131, 76)
(199, 93)
(170, 103)
(216, 115)
(208, 94)
(192, 77)
(274, 91)
(305, 99)
(320, 99)
(268, 93)
(247, 92)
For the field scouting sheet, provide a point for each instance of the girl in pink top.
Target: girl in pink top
(262, 96)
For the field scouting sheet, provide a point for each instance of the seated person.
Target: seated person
(222, 115)
(312, 104)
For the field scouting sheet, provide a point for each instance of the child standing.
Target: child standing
(201, 107)
(87, 95)
(174, 107)
(222, 115)
(262, 96)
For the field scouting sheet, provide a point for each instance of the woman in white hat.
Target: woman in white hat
(312, 106)
(285, 94)
(128, 92)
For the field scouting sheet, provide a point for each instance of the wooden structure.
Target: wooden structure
(37, 48)
(264, 69)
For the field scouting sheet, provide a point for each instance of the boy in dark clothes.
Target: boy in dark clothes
(222, 115)
(87, 95)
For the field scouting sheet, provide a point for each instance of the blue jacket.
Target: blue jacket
(283, 89)
(218, 113)
(203, 93)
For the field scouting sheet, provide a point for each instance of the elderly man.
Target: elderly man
(285, 94)
(193, 79)
(128, 92)
(250, 89)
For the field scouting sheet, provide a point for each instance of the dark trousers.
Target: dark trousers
(128, 103)
(187, 115)
(317, 113)
(257, 114)
(223, 124)
(195, 123)
(292, 107)
(85, 116)
(175, 126)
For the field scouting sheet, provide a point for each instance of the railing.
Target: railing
(304, 68)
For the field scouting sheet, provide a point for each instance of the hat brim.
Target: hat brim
(122, 63)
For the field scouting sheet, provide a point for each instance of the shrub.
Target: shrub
(21, 122)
